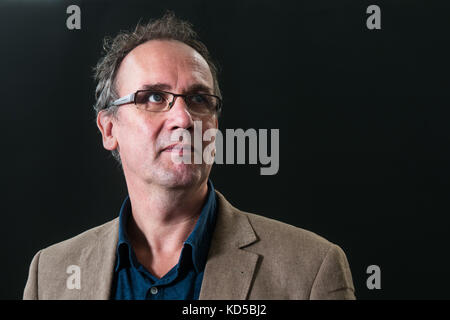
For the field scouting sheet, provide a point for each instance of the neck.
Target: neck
(163, 218)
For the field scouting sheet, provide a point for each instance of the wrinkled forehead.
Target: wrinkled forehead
(163, 61)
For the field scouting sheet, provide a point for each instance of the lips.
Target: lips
(178, 147)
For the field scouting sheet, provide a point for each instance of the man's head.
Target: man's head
(167, 55)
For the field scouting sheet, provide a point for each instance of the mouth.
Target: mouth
(179, 148)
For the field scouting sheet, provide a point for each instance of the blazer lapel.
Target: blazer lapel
(97, 264)
(229, 268)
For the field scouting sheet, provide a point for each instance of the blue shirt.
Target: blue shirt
(132, 281)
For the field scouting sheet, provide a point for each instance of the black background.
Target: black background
(363, 118)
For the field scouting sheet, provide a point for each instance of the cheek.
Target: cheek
(136, 135)
(206, 125)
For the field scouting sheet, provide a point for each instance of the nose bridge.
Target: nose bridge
(179, 113)
(175, 97)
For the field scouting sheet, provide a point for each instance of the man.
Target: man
(176, 237)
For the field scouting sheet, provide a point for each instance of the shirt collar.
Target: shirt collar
(199, 238)
(123, 244)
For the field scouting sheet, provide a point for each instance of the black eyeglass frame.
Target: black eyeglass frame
(131, 98)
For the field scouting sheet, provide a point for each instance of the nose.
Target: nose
(179, 116)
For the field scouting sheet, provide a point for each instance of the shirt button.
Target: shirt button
(154, 290)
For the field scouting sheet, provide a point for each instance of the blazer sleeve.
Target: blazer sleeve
(31, 288)
(334, 279)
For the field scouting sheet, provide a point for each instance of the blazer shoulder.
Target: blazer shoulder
(74, 245)
(275, 234)
(293, 262)
(281, 232)
(323, 266)
(91, 251)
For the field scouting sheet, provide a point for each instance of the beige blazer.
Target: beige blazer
(250, 257)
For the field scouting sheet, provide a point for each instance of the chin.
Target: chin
(180, 176)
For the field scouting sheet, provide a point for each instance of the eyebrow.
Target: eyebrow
(164, 86)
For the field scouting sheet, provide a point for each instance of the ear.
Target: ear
(105, 123)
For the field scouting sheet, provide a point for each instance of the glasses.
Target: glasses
(161, 101)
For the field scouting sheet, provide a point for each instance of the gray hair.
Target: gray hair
(168, 27)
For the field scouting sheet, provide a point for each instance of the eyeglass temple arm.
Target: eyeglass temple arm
(124, 100)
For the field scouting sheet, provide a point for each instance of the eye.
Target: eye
(198, 98)
(155, 97)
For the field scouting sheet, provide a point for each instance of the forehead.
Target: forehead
(163, 61)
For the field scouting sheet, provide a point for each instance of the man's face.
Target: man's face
(142, 136)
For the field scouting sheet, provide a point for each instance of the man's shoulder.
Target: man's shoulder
(273, 226)
(277, 235)
(86, 239)
(92, 253)
(294, 262)
(284, 235)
